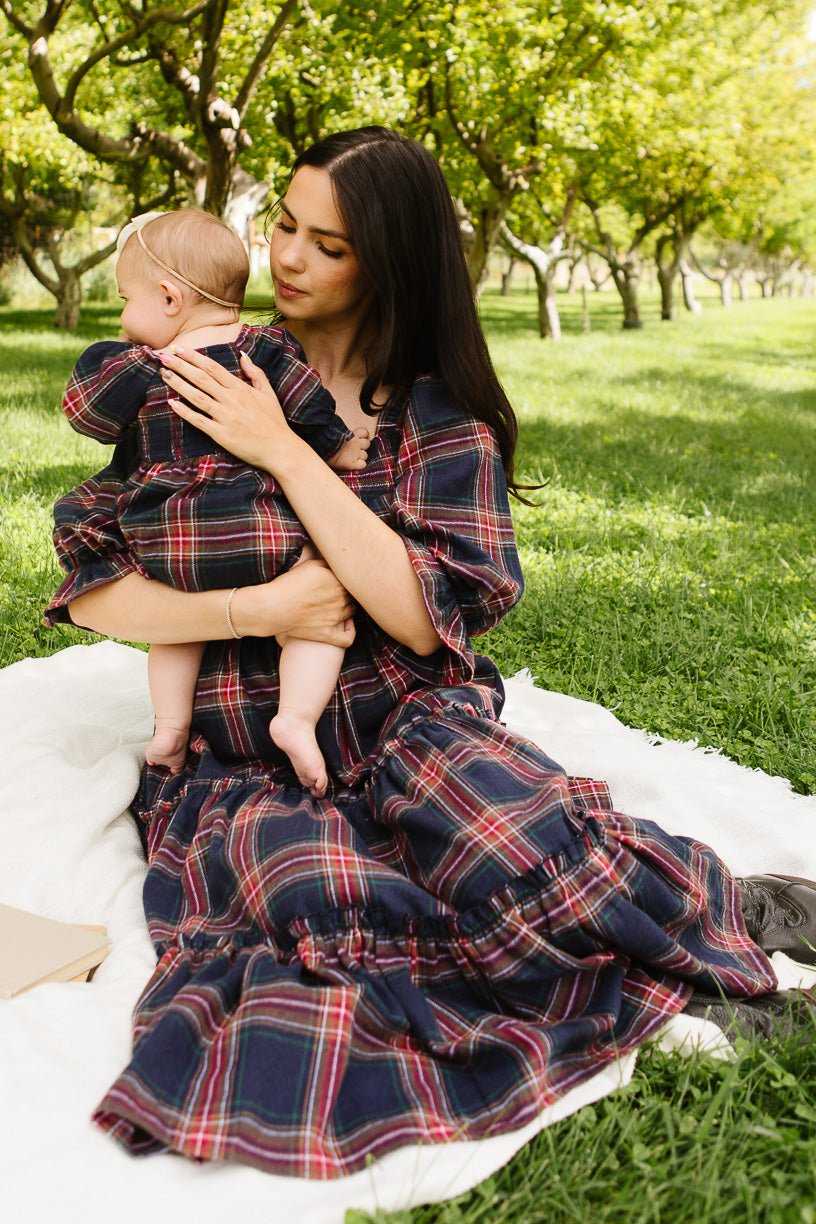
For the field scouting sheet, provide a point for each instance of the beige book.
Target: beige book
(34, 949)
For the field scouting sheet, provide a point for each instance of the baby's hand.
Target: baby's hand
(353, 454)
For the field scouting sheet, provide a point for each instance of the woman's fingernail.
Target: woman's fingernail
(178, 350)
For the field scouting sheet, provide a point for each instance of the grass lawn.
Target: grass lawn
(671, 576)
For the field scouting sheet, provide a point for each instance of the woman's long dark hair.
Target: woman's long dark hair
(398, 211)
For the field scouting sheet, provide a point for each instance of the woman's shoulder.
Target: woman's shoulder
(432, 409)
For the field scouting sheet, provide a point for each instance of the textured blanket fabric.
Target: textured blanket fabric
(74, 727)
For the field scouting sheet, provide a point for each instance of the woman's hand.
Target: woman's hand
(245, 419)
(307, 601)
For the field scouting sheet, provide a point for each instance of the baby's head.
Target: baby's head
(178, 271)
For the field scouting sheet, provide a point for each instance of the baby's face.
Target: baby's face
(144, 319)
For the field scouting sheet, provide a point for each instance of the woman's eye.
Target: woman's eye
(286, 229)
(331, 254)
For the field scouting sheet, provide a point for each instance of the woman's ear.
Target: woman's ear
(173, 296)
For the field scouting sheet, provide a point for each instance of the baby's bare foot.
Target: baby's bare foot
(294, 734)
(352, 455)
(168, 746)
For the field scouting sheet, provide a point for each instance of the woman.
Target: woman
(457, 934)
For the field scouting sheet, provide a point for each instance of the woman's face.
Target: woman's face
(316, 273)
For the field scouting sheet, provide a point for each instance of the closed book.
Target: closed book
(34, 949)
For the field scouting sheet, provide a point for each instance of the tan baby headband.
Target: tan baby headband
(134, 226)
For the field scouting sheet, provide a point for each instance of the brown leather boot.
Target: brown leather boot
(780, 914)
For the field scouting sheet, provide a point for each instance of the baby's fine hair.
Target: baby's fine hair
(201, 247)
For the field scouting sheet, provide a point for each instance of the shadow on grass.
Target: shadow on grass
(756, 471)
(98, 322)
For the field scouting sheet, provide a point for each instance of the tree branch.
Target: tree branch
(161, 16)
(15, 20)
(30, 258)
(250, 83)
(214, 14)
(61, 109)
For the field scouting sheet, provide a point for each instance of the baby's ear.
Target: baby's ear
(173, 296)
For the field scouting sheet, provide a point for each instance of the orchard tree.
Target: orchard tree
(45, 190)
(709, 121)
(163, 87)
(503, 91)
(544, 255)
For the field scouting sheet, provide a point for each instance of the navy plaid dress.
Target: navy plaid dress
(456, 935)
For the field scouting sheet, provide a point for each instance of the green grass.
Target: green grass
(671, 561)
(670, 575)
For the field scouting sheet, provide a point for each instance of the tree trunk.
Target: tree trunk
(485, 230)
(586, 323)
(549, 321)
(687, 279)
(543, 261)
(726, 282)
(69, 300)
(507, 276)
(666, 274)
(247, 197)
(742, 288)
(627, 279)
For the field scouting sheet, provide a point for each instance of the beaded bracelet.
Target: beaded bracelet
(228, 611)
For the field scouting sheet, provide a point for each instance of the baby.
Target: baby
(191, 514)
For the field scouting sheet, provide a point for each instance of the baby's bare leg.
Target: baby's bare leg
(308, 676)
(173, 673)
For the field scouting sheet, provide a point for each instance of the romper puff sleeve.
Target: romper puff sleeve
(451, 508)
(307, 405)
(107, 388)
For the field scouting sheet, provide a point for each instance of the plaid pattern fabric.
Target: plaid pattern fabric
(454, 936)
(180, 509)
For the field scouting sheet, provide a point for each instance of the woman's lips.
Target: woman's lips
(288, 291)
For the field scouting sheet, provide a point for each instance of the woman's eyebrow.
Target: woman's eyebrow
(315, 229)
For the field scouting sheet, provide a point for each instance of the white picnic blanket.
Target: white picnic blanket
(74, 727)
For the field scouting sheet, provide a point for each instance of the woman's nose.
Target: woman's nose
(290, 254)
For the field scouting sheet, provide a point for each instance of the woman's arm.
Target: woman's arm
(306, 601)
(367, 556)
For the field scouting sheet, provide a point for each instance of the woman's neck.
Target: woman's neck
(338, 354)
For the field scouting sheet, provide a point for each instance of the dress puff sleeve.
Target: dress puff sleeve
(107, 388)
(452, 511)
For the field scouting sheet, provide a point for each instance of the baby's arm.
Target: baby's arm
(107, 388)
